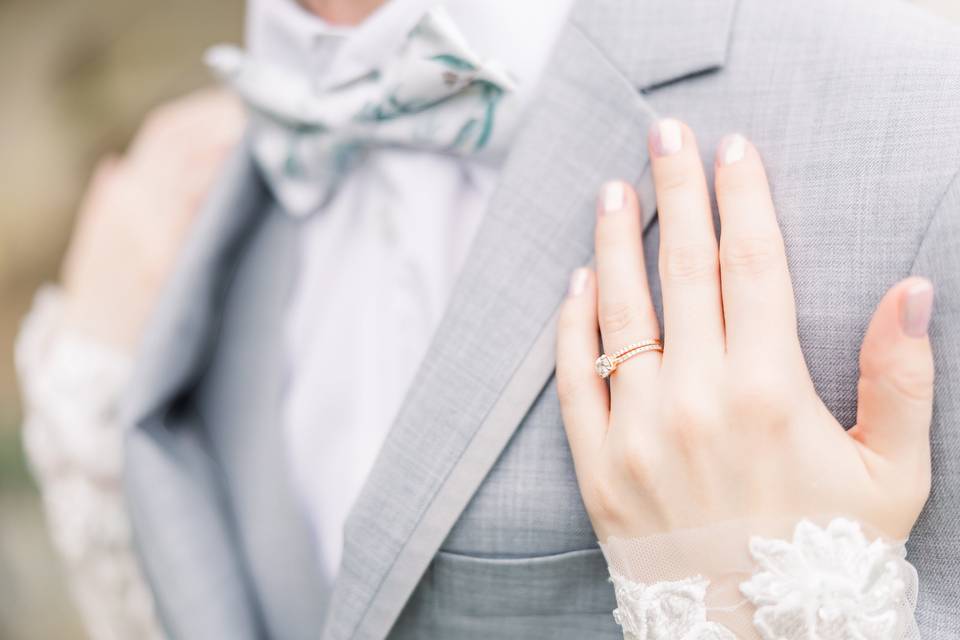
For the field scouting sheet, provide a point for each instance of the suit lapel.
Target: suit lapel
(493, 352)
(178, 336)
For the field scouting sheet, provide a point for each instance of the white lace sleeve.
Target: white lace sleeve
(73, 440)
(827, 582)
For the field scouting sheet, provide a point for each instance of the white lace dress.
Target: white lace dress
(73, 439)
(812, 582)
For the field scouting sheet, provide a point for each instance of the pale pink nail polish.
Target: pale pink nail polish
(916, 309)
(613, 197)
(666, 137)
(732, 149)
(578, 282)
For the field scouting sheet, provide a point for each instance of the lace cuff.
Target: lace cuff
(73, 440)
(70, 387)
(757, 579)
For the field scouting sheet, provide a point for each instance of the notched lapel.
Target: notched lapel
(494, 350)
(656, 42)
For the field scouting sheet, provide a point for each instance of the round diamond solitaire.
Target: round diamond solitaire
(604, 366)
(607, 364)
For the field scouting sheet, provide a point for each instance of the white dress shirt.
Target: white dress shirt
(379, 261)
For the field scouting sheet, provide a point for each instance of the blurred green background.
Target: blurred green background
(76, 77)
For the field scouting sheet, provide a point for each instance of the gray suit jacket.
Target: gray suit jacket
(470, 525)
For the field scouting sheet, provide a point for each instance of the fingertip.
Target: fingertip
(669, 136)
(895, 347)
(733, 148)
(915, 306)
(665, 137)
(738, 163)
(579, 280)
(897, 373)
(903, 315)
(614, 197)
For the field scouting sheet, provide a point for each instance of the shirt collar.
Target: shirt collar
(283, 32)
(519, 35)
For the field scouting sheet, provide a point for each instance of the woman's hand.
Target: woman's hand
(726, 424)
(136, 212)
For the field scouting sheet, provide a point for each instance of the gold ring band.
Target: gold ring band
(607, 364)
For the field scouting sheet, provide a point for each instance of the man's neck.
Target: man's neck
(342, 12)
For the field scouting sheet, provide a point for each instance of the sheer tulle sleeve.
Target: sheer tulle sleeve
(73, 440)
(773, 580)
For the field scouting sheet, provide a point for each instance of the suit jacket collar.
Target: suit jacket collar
(655, 43)
(493, 352)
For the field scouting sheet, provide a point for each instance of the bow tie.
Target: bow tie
(436, 94)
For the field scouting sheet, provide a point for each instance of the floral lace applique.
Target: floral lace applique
(665, 610)
(827, 583)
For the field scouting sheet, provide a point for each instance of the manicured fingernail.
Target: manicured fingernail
(578, 282)
(666, 137)
(732, 149)
(917, 309)
(613, 197)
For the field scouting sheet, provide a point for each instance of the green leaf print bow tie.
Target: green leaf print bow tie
(436, 94)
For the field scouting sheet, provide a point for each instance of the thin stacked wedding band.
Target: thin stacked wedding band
(607, 364)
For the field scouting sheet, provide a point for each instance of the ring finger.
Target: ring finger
(625, 310)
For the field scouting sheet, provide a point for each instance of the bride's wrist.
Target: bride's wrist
(727, 580)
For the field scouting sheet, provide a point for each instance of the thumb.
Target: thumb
(896, 373)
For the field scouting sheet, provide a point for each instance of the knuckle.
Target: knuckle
(762, 395)
(616, 317)
(638, 461)
(689, 263)
(910, 377)
(914, 384)
(603, 501)
(689, 419)
(610, 241)
(674, 180)
(749, 255)
(734, 183)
